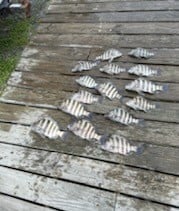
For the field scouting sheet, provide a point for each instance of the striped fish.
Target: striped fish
(141, 53)
(108, 90)
(109, 55)
(74, 108)
(122, 116)
(142, 85)
(85, 97)
(47, 127)
(143, 70)
(112, 69)
(87, 81)
(84, 65)
(84, 129)
(119, 144)
(139, 103)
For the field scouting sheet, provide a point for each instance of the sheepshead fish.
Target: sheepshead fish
(87, 81)
(85, 97)
(84, 65)
(119, 144)
(143, 70)
(109, 55)
(74, 108)
(48, 127)
(142, 85)
(139, 103)
(122, 116)
(141, 53)
(112, 69)
(108, 90)
(84, 129)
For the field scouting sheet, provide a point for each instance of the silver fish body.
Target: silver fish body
(86, 81)
(110, 55)
(112, 69)
(143, 70)
(108, 90)
(85, 97)
(84, 65)
(48, 127)
(119, 144)
(74, 108)
(84, 129)
(141, 53)
(139, 103)
(122, 116)
(142, 85)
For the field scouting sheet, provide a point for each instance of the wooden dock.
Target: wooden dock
(76, 175)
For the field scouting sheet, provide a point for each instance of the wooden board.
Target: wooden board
(21, 135)
(52, 82)
(94, 173)
(55, 193)
(113, 17)
(167, 73)
(109, 28)
(117, 41)
(9, 203)
(114, 7)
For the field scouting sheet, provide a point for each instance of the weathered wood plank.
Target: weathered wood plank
(156, 132)
(9, 203)
(131, 204)
(109, 28)
(171, 115)
(119, 41)
(68, 53)
(94, 173)
(119, 17)
(168, 73)
(114, 7)
(54, 193)
(32, 80)
(21, 135)
(88, 1)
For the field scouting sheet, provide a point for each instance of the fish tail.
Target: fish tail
(140, 149)
(165, 87)
(102, 140)
(62, 135)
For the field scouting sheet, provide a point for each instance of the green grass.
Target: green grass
(14, 35)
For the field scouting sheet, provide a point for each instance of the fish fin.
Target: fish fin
(165, 87)
(100, 99)
(64, 135)
(102, 140)
(140, 149)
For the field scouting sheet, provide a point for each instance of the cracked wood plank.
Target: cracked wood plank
(162, 188)
(132, 6)
(109, 28)
(55, 193)
(21, 135)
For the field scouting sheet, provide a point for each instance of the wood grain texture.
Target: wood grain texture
(9, 203)
(114, 7)
(119, 41)
(89, 1)
(52, 82)
(53, 192)
(109, 28)
(21, 135)
(168, 73)
(113, 17)
(95, 173)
